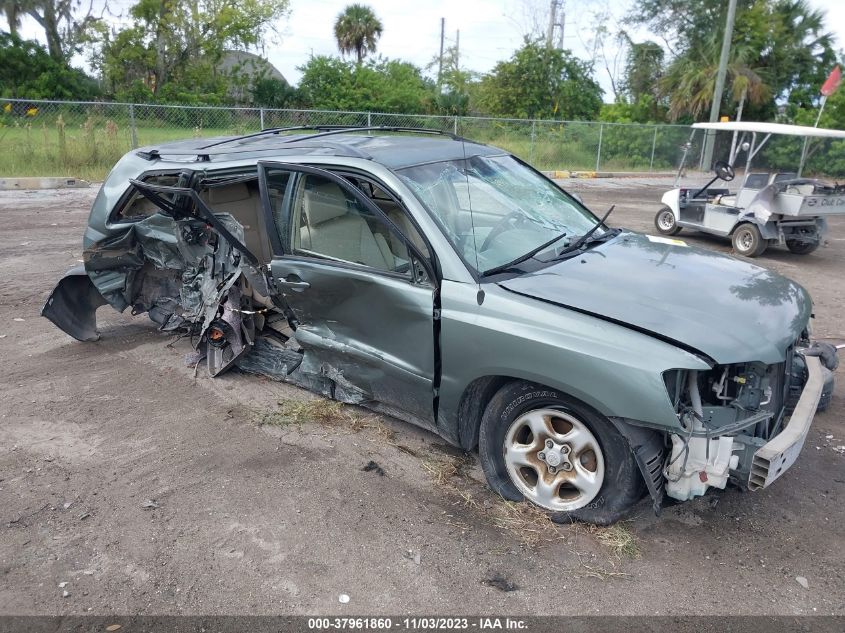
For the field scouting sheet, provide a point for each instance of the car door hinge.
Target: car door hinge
(436, 314)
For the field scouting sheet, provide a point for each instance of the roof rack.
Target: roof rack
(327, 130)
(265, 132)
(322, 131)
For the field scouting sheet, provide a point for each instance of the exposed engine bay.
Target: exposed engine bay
(730, 412)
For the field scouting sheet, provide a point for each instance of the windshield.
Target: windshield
(494, 209)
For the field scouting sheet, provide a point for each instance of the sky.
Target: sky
(490, 30)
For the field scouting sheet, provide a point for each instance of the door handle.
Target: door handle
(294, 283)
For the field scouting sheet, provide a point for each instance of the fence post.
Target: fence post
(133, 130)
(531, 146)
(261, 116)
(598, 152)
(369, 119)
(456, 125)
(653, 146)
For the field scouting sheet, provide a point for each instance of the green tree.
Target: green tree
(452, 95)
(781, 51)
(173, 49)
(270, 92)
(357, 30)
(379, 85)
(643, 68)
(690, 81)
(539, 82)
(28, 71)
(64, 22)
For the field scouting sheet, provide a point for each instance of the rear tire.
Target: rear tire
(747, 240)
(666, 223)
(596, 481)
(801, 248)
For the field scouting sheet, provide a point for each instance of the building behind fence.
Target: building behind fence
(84, 139)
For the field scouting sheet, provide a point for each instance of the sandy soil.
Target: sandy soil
(282, 519)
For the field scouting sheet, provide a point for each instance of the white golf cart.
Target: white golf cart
(769, 208)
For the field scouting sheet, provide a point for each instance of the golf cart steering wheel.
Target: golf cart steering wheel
(509, 222)
(724, 171)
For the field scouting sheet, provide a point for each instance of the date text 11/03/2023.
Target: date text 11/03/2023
(416, 624)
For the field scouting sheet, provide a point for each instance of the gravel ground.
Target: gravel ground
(148, 490)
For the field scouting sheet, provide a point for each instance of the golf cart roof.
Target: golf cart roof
(771, 128)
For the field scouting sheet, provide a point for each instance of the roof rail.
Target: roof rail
(340, 129)
(322, 131)
(326, 130)
(265, 132)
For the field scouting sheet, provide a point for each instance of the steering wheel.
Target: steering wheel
(724, 171)
(515, 217)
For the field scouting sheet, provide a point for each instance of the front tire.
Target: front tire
(666, 223)
(539, 445)
(747, 240)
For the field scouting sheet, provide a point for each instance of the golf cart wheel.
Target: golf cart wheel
(747, 240)
(665, 222)
(539, 445)
(801, 248)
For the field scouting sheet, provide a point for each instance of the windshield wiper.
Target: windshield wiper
(522, 258)
(577, 244)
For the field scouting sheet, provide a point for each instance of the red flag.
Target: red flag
(832, 82)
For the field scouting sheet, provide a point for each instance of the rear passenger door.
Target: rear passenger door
(360, 290)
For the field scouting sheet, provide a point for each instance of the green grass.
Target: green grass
(68, 144)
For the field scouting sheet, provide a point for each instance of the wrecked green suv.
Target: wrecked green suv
(449, 284)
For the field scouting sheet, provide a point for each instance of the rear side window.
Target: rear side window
(137, 206)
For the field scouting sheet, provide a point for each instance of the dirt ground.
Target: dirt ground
(148, 490)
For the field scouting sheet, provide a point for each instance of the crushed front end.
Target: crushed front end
(745, 422)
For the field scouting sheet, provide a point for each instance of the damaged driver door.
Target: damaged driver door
(361, 293)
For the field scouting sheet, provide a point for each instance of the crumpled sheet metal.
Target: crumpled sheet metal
(207, 269)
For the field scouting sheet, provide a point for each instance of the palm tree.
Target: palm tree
(690, 80)
(357, 30)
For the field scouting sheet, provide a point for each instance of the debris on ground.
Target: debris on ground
(414, 556)
(373, 467)
(149, 504)
(498, 581)
(802, 581)
(343, 598)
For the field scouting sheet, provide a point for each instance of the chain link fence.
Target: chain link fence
(84, 139)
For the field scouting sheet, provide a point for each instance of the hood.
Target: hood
(728, 309)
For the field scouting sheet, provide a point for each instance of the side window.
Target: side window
(277, 184)
(137, 207)
(328, 222)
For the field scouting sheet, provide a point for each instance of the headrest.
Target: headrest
(229, 193)
(325, 201)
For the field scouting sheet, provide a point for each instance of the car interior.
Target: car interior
(330, 222)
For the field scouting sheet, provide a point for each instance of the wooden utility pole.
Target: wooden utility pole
(710, 135)
(458, 49)
(551, 29)
(561, 24)
(440, 67)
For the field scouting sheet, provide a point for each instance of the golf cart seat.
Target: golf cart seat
(756, 181)
(727, 200)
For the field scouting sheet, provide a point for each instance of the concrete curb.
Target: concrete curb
(563, 174)
(50, 182)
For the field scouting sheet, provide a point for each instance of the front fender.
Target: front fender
(613, 369)
(672, 199)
